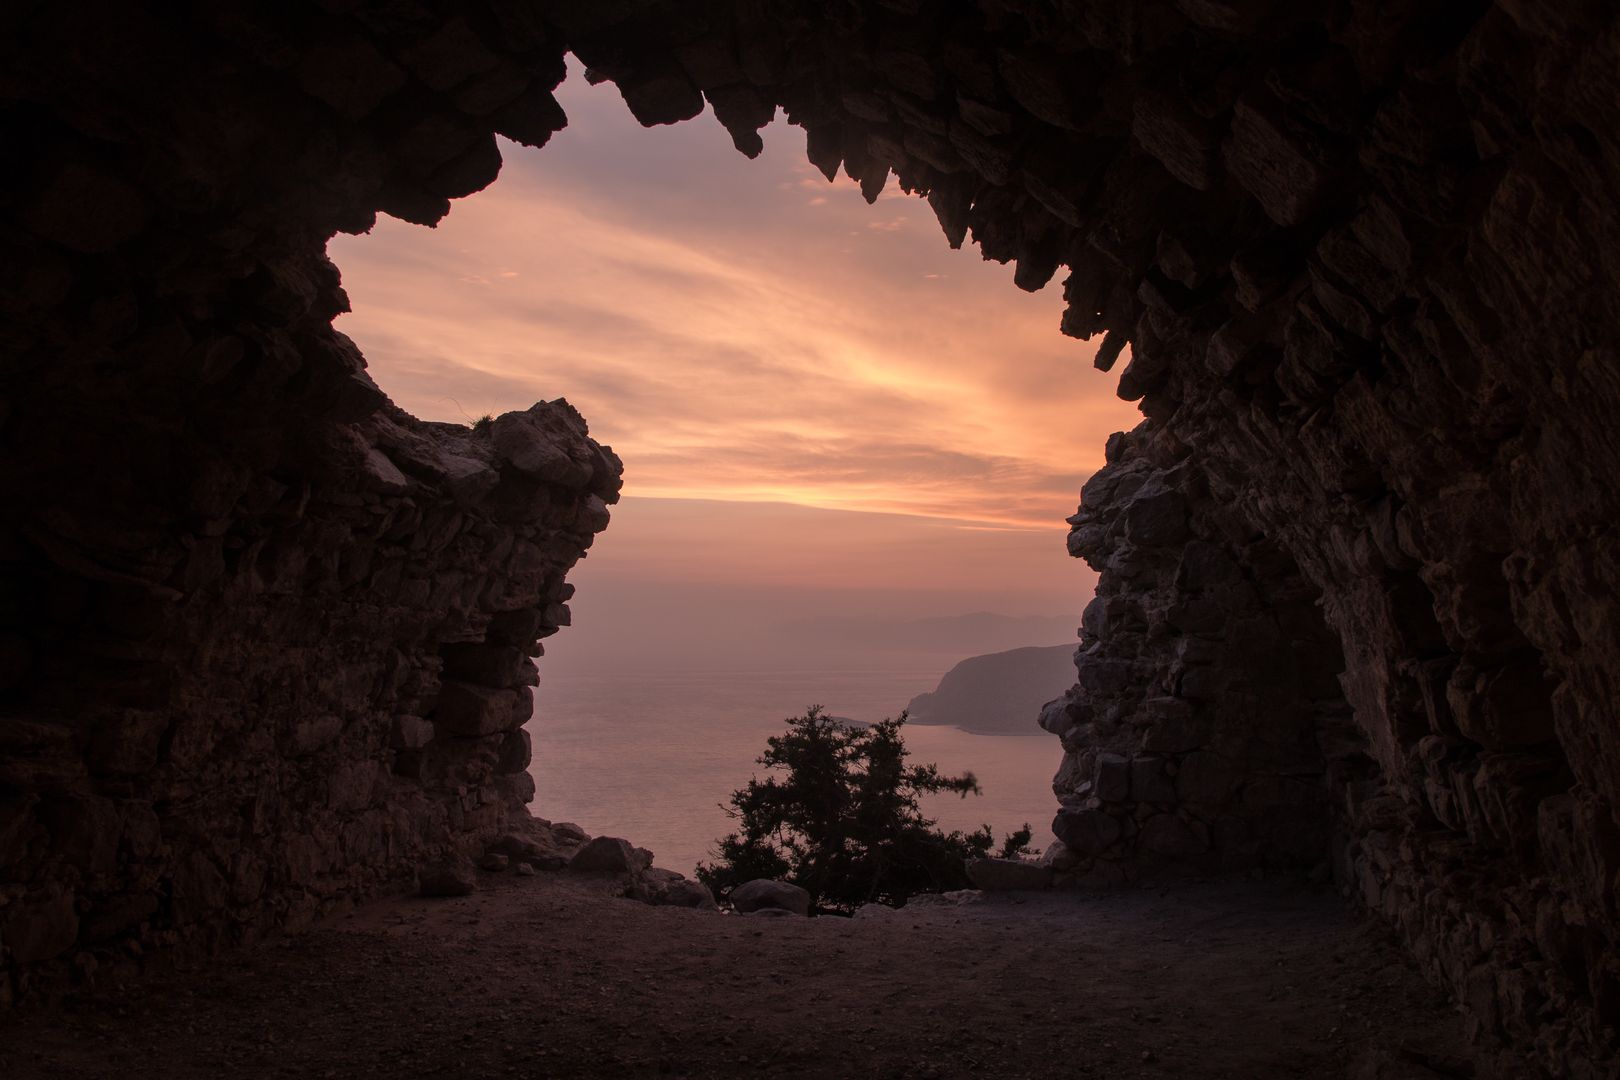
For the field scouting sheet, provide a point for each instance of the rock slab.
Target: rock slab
(1009, 875)
(763, 893)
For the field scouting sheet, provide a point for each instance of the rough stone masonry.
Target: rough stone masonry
(265, 637)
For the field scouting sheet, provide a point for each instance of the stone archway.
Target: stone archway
(1361, 260)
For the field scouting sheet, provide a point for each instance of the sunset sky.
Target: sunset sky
(810, 394)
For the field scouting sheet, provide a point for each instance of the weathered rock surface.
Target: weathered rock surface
(763, 894)
(686, 894)
(450, 877)
(1008, 875)
(537, 844)
(266, 640)
(668, 888)
(264, 643)
(610, 855)
(1208, 717)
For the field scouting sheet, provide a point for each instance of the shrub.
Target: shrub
(1014, 845)
(839, 816)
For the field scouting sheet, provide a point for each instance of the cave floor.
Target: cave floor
(552, 976)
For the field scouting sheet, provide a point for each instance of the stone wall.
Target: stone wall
(1208, 718)
(266, 639)
(232, 723)
(1362, 255)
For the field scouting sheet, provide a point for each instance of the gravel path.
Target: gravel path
(552, 976)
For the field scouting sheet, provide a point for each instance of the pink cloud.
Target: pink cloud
(734, 341)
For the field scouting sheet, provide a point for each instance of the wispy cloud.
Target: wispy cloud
(733, 339)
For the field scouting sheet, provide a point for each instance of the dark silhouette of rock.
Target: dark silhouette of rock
(997, 694)
(610, 855)
(449, 877)
(762, 894)
(667, 888)
(688, 894)
(1009, 875)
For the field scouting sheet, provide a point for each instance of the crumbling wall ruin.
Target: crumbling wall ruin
(266, 638)
(1362, 255)
(1208, 727)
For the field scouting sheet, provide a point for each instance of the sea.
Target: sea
(654, 756)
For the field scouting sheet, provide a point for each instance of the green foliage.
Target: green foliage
(838, 815)
(483, 422)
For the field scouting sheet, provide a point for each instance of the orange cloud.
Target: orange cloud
(732, 343)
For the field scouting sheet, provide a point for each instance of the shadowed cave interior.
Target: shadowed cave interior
(268, 639)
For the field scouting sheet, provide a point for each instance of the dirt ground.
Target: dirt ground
(552, 976)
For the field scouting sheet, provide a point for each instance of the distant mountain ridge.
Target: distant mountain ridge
(974, 633)
(999, 693)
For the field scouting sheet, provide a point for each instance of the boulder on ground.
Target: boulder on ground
(1009, 875)
(539, 843)
(450, 877)
(1087, 833)
(566, 832)
(666, 888)
(688, 894)
(515, 845)
(1099, 876)
(763, 893)
(610, 855)
(494, 862)
(1060, 858)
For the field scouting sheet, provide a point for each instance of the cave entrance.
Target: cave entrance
(846, 463)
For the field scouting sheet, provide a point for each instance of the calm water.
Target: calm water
(651, 756)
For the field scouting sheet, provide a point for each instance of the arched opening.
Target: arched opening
(841, 443)
(1362, 259)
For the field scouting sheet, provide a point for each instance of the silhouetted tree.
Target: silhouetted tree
(838, 815)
